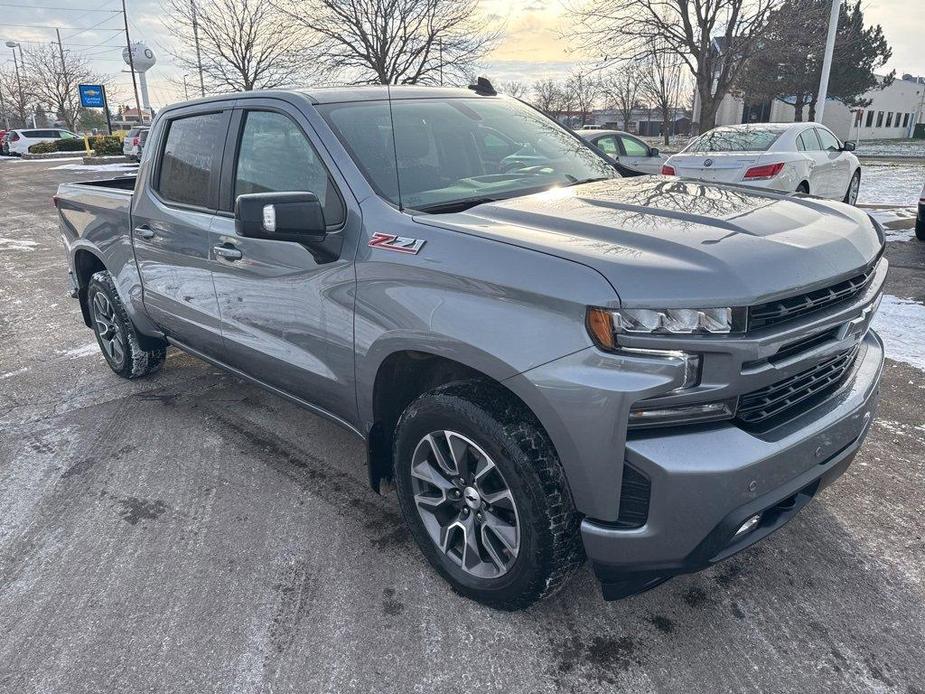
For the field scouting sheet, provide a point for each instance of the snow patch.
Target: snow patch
(891, 185)
(901, 324)
(79, 352)
(17, 245)
(123, 167)
(10, 374)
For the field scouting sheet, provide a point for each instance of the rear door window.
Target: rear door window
(809, 141)
(192, 149)
(608, 144)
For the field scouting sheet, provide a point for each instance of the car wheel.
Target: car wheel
(117, 337)
(483, 492)
(851, 195)
(803, 188)
(920, 227)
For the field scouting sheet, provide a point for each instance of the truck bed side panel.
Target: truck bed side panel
(96, 219)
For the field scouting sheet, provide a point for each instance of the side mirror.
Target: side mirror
(848, 146)
(280, 216)
(653, 152)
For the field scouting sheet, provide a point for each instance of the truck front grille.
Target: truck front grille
(775, 312)
(788, 398)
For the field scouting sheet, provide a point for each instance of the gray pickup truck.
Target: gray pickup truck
(549, 362)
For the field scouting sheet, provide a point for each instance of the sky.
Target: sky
(533, 46)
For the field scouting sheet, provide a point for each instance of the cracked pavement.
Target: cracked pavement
(191, 533)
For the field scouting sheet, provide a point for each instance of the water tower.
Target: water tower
(143, 59)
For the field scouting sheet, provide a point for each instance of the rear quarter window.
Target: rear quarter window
(189, 157)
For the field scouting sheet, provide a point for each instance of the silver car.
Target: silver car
(626, 149)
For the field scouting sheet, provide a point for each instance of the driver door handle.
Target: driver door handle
(145, 232)
(227, 252)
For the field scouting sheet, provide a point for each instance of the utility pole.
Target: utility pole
(202, 86)
(440, 46)
(827, 60)
(131, 63)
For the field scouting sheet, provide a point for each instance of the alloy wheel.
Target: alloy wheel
(853, 190)
(107, 328)
(465, 504)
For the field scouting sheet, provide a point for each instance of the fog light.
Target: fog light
(642, 416)
(748, 525)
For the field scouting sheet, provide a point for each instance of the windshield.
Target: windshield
(452, 153)
(730, 140)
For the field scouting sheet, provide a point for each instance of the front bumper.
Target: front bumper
(706, 482)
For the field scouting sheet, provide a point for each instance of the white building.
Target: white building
(892, 114)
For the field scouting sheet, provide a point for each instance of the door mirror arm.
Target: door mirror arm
(653, 152)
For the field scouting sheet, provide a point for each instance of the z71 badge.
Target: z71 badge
(391, 242)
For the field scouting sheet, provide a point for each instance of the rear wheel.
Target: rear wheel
(115, 334)
(851, 195)
(803, 188)
(483, 492)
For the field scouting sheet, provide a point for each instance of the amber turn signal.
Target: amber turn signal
(600, 327)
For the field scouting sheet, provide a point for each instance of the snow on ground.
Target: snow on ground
(891, 148)
(17, 244)
(901, 324)
(891, 184)
(121, 167)
(897, 222)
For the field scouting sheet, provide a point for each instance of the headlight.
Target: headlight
(605, 324)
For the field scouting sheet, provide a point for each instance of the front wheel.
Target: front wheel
(484, 494)
(117, 337)
(851, 195)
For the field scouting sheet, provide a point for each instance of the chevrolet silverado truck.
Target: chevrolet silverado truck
(547, 362)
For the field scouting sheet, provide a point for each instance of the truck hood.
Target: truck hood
(665, 242)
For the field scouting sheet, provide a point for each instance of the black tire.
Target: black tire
(856, 178)
(803, 188)
(115, 334)
(550, 547)
(920, 228)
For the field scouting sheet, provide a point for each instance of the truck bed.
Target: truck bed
(96, 207)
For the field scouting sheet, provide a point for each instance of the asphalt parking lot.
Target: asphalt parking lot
(191, 533)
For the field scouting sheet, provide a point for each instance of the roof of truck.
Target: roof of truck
(330, 95)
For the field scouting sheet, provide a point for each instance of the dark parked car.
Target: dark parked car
(549, 361)
(920, 218)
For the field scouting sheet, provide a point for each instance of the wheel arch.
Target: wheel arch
(403, 375)
(86, 264)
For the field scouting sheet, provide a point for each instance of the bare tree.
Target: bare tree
(54, 79)
(713, 38)
(583, 90)
(547, 96)
(16, 102)
(662, 84)
(621, 90)
(514, 88)
(395, 41)
(244, 44)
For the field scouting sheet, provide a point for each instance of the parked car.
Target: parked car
(134, 142)
(549, 362)
(785, 157)
(920, 218)
(626, 149)
(21, 139)
(4, 147)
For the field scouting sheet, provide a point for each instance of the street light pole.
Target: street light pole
(12, 45)
(827, 60)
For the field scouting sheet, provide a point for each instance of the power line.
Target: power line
(59, 9)
(90, 28)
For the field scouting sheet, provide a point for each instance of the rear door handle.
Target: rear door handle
(145, 232)
(227, 252)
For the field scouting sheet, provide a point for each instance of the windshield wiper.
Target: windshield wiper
(456, 205)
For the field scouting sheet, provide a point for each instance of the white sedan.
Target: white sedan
(786, 157)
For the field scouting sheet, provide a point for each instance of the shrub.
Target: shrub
(104, 145)
(42, 148)
(75, 144)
